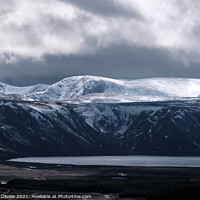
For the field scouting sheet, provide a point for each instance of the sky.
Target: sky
(44, 41)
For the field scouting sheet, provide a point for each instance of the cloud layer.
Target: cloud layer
(35, 29)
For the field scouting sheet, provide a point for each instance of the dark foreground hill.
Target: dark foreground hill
(50, 128)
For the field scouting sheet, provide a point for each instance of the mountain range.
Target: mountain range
(88, 115)
(92, 88)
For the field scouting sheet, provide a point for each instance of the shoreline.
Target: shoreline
(96, 170)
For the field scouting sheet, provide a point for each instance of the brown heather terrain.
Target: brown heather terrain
(99, 182)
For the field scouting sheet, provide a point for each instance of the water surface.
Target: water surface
(164, 161)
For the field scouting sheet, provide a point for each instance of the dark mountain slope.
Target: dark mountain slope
(156, 128)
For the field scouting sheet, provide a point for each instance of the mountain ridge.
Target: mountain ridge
(76, 87)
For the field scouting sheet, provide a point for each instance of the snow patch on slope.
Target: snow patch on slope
(103, 118)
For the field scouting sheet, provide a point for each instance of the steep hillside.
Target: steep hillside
(157, 128)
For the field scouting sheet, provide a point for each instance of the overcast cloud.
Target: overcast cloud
(152, 38)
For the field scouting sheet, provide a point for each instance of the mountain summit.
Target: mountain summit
(99, 89)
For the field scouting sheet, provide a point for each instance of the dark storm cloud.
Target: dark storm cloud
(116, 62)
(36, 29)
(45, 41)
(106, 8)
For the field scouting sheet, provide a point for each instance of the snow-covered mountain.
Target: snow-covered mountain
(13, 92)
(85, 89)
(112, 90)
(85, 115)
(8, 89)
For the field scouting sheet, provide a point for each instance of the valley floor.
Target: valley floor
(98, 182)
